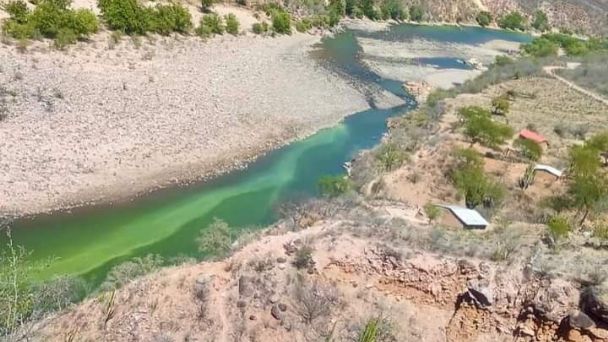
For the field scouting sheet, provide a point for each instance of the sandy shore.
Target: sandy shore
(395, 61)
(102, 122)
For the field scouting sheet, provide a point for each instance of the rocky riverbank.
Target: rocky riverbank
(107, 120)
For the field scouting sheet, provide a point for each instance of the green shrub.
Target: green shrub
(303, 257)
(369, 332)
(232, 24)
(165, 19)
(368, 7)
(529, 149)
(303, 25)
(122, 274)
(390, 156)
(210, 24)
(503, 60)
(484, 18)
(540, 22)
(127, 16)
(64, 38)
(260, 28)
(416, 13)
(513, 21)
(432, 212)
(17, 10)
(541, 47)
(281, 22)
(130, 17)
(559, 227)
(469, 178)
(333, 186)
(500, 105)
(480, 128)
(392, 9)
(50, 19)
(216, 239)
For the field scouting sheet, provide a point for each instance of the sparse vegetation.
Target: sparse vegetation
(484, 18)
(51, 19)
(281, 22)
(210, 25)
(215, 240)
(480, 128)
(513, 21)
(470, 180)
(416, 13)
(333, 186)
(500, 105)
(559, 228)
(432, 212)
(232, 24)
(303, 257)
(540, 22)
(130, 17)
(127, 271)
(390, 156)
(529, 149)
(260, 28)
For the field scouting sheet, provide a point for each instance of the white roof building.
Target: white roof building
(550, 169)
(468, 217)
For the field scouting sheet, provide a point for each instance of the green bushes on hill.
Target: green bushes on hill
(130, 17)
(540, 22)
(541, 47)
(50, 19)
(281, 22)
(484, 18)
(513, 21)
(210, 25)
(416, 13)
(470, 180)
(333, 186)
(232, 24)
(480, 128)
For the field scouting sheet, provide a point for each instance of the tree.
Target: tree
(390, 156)
(484, 18)
(540, 22)
(529, 149)
(513, 21)
(470, 180)
(500, 105)
(416, 13)
(392, 9)
(369, 9)
(480, 128)
(333, 186)
(215, 239)
(431, 211)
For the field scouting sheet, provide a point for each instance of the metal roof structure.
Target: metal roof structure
(549, 169)
(468, 217)
(531, 135)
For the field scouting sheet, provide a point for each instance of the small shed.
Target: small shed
(547, 173)
(457, 217)
(533, 136)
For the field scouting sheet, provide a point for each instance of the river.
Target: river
(88, 241)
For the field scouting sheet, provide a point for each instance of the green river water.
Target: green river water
(88, 241)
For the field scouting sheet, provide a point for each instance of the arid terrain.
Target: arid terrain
(333, 266)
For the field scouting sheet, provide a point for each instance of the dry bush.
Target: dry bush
(314, 301)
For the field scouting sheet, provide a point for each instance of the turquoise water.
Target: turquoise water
(88, 241)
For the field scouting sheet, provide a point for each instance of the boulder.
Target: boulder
(594, 304)
(275, 311)
(480, 293)
(555, 300)
(580, 320)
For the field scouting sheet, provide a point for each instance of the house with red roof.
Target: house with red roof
(533, 136)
